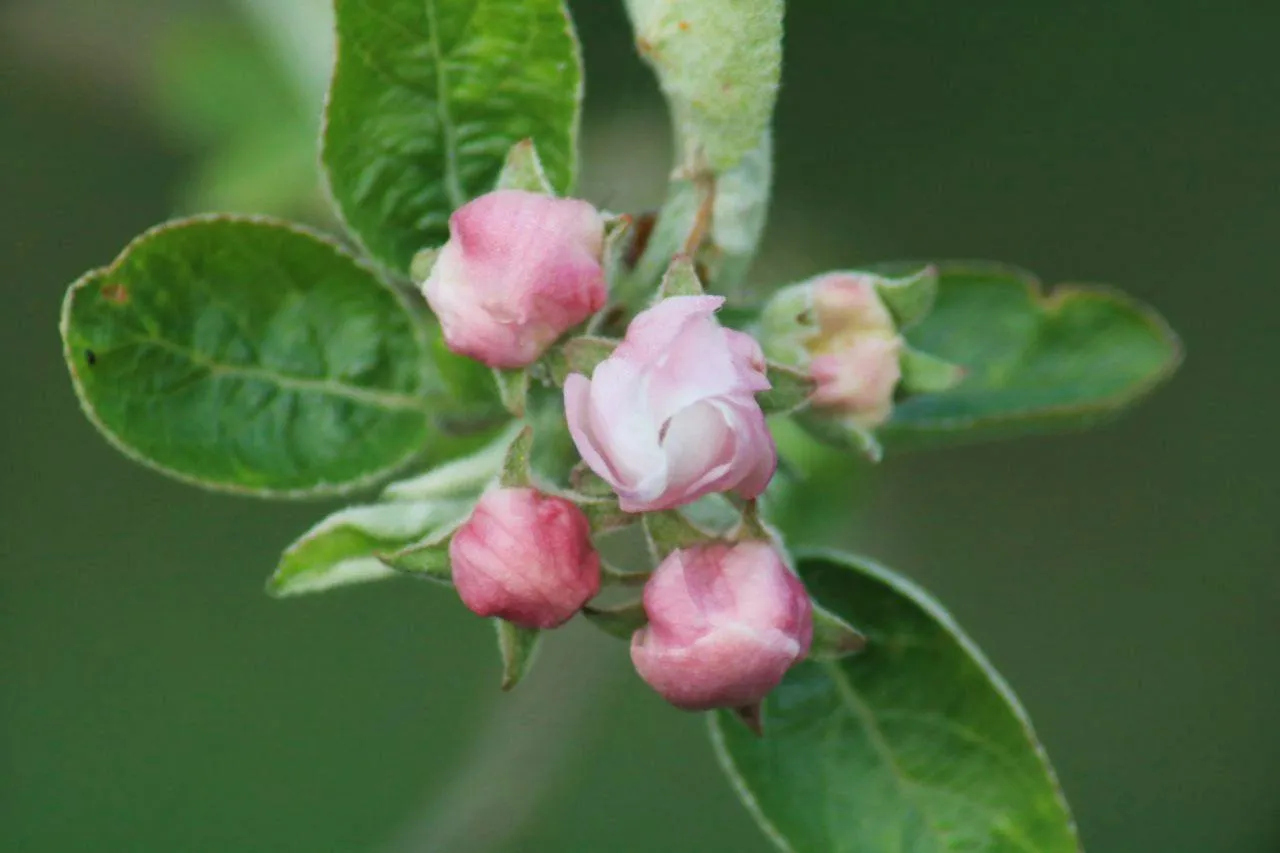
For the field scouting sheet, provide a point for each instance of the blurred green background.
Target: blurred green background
(1126, 580)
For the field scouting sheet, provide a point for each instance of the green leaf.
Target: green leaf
(914, 744)
(719, 62)
(791, 390)
(619, 621)
(427, 99)
(1034, 362)
(740, 211)
(461, 478)
(251, 356)
(343, 549)
(518, 647)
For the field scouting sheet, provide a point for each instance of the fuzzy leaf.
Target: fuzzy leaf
(343, 549)
(719, 62)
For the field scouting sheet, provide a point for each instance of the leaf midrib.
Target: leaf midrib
(905, 784)
(382, 399)
(448, 131)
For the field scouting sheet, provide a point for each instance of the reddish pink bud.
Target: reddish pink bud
(519, 270)
(672, 415)
(725, 624)
(525, 557)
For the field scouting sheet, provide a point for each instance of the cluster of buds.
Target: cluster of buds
(668, 417)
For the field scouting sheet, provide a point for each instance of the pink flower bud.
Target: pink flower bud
(725, 624)
(856, 351)
(525, 557)
(859, 379)
(671, 415)
(518, 271)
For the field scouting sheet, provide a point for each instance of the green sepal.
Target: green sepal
(791, 390)
(428, 558)
(578, 355)
(604, 513)
(588, 482)
(523, 170)
(619, 621)
(833, 637)
(513, 388)
(841, 433)
(681, 279)
(422, 264)
(927, 374)
(669, 530)
(517, 467)
(518, 647)
(909, 298)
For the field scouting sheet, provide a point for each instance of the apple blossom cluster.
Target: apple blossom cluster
(669, 416)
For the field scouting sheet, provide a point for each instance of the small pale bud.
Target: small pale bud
(525, 557)
(519, 270)
(671, 415)
(725, 624)
(838, 327)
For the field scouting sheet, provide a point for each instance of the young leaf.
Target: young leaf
(740, 211)
(914, 744)
(1034, 362)
(462, 478)
(518, 647)
(719, 62)
(251, 356)
(428, 98)
(343, 549)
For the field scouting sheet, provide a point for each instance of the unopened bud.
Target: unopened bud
(525, 557)
(726, 621)
(519, 270)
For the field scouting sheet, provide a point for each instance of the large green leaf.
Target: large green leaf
(1034, 362)
(250, 356)
(427, 99)
(915, 744)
